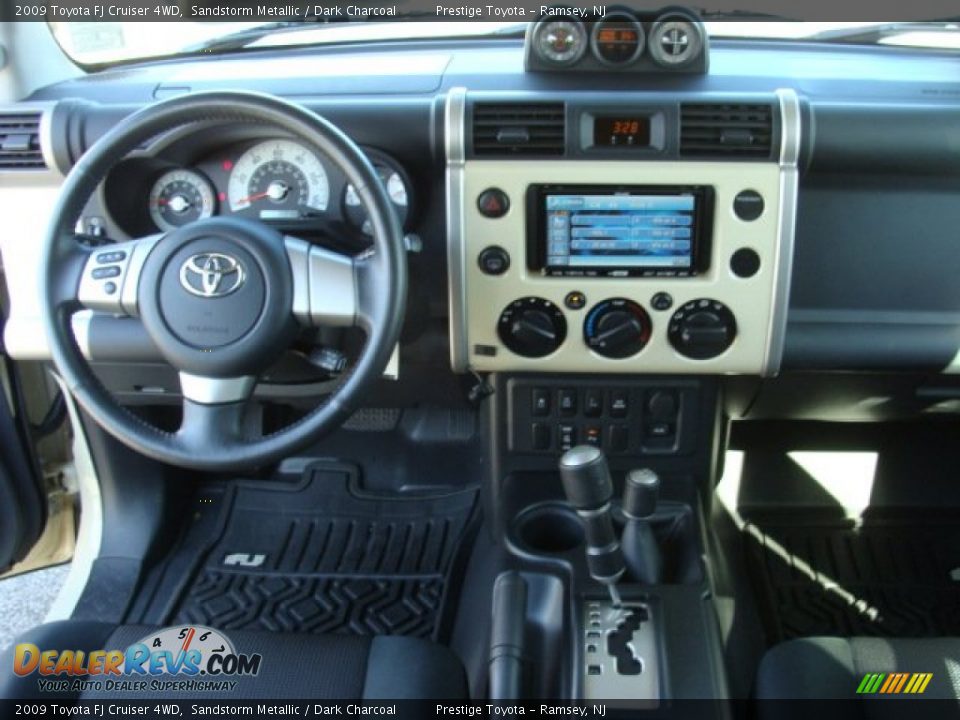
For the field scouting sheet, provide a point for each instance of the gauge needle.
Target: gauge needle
(251, 198)
(275, 191)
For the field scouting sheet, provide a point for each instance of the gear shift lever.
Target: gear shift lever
(640, 549)
(586, 481)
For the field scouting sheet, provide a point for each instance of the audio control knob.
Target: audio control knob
(702, 329)
(616, 328)
(532, 327)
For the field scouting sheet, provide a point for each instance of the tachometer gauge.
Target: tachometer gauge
(396, 187)
(278, 180)
(561, 42)
(179, 197)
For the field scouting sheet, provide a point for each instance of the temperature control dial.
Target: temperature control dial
(532, 327)
(702, 329)
(616, 328)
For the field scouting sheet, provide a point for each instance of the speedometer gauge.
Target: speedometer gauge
(278, 180)
(179, 197)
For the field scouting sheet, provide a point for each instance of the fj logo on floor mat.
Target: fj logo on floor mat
(245, 560)
(894, 683)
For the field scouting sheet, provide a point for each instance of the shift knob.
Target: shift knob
(586, 481)
(586, 477)
(640, 549)
(640, 493)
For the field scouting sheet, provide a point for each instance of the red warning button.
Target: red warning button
(493, 203)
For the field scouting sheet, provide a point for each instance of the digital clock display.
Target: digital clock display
(617, 131)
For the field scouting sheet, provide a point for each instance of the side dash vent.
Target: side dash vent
(735, 131)
(519, 129)
(20, 141)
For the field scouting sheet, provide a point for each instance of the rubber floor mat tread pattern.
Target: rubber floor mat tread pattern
(318, 558)
(879, 579)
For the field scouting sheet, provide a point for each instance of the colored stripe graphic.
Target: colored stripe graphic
(894, 683)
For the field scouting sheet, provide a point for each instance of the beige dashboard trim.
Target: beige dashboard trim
(454, 133)
(759, 303)
(790, 139)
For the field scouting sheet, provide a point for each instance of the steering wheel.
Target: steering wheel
(222, 297)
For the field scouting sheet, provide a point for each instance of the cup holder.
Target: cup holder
(549, 530)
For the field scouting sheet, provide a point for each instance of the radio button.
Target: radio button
(745, 263)
(748, 205)
(494, 260)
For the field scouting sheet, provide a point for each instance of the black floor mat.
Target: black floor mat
(887, 578)
(320, 557)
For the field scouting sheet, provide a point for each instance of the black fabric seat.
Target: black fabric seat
(301, 666)
(829, 668)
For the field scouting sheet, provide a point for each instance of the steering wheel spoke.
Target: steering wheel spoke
(324, 285)
(110, 278)
(213, 410)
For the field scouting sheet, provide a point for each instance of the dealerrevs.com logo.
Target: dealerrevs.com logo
(183, 658)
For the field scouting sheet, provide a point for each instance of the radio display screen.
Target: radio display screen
(635, 231)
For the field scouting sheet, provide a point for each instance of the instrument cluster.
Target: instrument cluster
(278, 180)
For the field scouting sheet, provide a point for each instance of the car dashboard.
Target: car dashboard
(790, 207)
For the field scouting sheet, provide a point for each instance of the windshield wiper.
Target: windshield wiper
(872, 34)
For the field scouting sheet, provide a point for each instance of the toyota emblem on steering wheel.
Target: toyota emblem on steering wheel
(211, 275)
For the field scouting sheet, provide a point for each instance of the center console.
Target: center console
(611, 236)
(608, 253)
(559, 630)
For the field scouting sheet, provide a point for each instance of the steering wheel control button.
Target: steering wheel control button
(748, 205)
(115, 256)
(702, 329)
(110, 288)
(532, 327)
(661, 301)
(493, 203)
(575, 300)
(102, 273)
(745, 263)
(494, 260)
(617, 328)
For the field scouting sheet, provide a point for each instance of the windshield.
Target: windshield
(104, 43)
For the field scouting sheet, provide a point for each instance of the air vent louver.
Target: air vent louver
(513, 129)
(726, 130)
(20, 141)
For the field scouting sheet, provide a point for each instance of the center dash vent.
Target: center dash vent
(726, 130)
(20, 141)
(512, 129)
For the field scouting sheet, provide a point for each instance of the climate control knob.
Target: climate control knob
(702, 329)
(616, 328)
(532, 327)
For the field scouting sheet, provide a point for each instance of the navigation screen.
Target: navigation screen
(620, 231)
